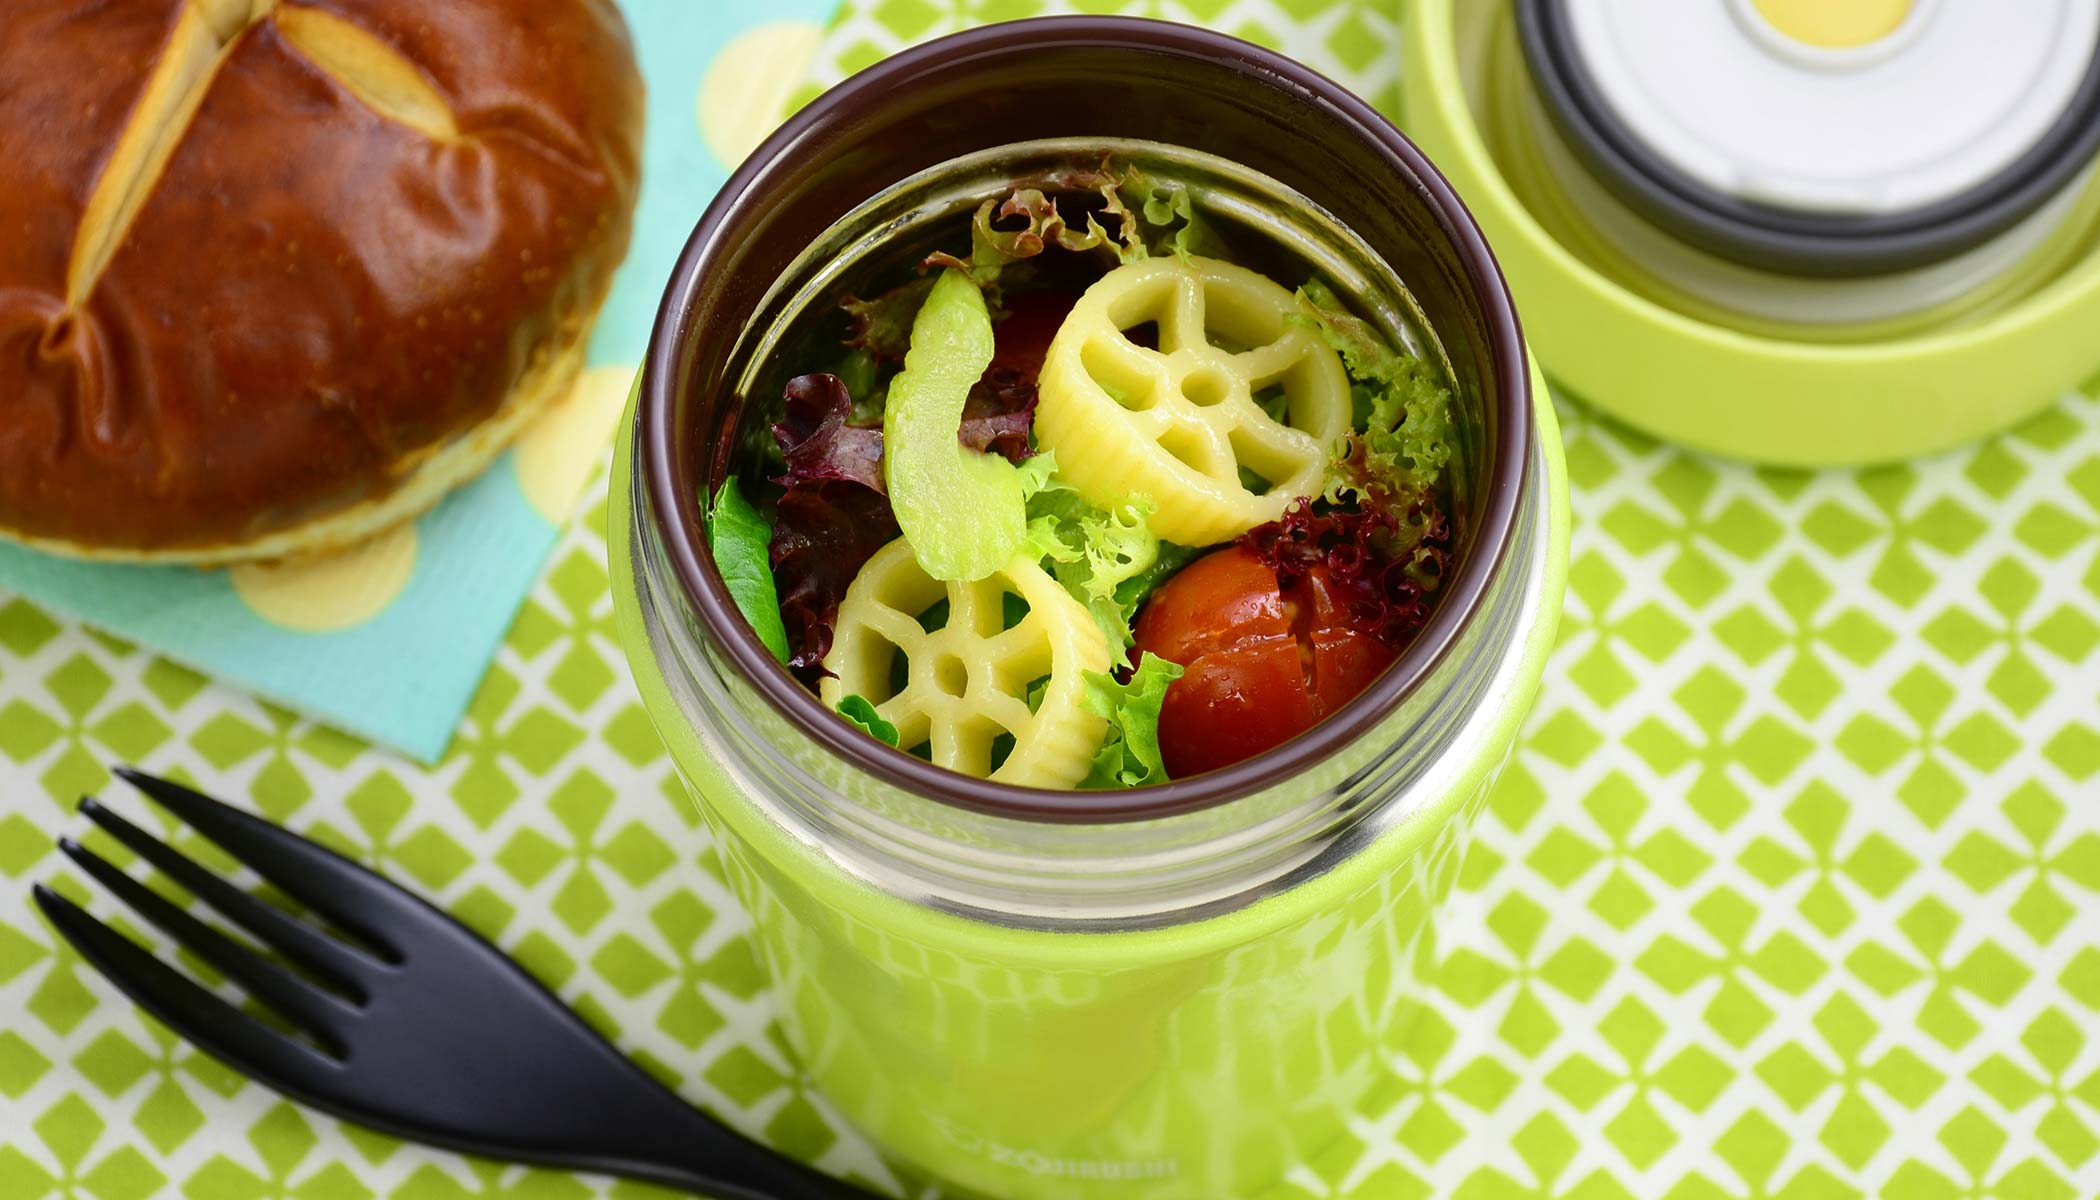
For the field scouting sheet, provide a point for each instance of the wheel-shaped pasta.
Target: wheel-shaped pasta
(961, 687)
(1180, 422)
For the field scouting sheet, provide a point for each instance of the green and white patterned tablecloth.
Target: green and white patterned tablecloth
(1792, 888)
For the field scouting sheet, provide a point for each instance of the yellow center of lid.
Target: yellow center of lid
(1835, 24)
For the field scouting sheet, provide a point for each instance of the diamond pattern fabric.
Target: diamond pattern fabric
(1792, 888)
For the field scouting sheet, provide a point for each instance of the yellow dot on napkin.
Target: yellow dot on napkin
(562, 448)
(333, 592)
(746, 89)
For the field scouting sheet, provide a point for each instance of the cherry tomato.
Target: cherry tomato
(1261, 663)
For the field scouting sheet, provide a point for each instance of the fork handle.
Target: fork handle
(678, 1146)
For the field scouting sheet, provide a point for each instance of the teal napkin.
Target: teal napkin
(391, 642)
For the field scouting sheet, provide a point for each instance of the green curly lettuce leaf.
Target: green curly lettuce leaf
(1159, 218)
(739, 536)
(860, 713)
(1093, 552)
(1124, 212)
(1037, 471)
(1129, 756)
(1406, 432)
(996, 241)
(1138, 216)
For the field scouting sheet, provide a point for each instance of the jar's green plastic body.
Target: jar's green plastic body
(1195, 1061)
(1174, 994)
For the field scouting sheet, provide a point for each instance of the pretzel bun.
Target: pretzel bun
(275, 275)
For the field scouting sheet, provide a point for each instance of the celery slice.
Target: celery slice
(964, 513)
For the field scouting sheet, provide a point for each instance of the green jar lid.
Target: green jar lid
(1758, 388)
(1751, 131)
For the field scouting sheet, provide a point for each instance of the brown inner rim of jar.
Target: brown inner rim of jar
(673, 488)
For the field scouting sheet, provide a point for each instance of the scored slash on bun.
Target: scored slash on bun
(277, 274)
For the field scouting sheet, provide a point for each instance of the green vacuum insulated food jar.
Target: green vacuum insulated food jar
(1177, 991)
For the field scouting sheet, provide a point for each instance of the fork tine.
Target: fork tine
(295, 939)
(347, 894)
(321, 1014)
(220, 1029)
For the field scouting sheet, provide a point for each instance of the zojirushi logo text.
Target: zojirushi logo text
(1051, 1166)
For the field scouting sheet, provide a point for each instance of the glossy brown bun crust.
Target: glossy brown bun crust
(274, 274)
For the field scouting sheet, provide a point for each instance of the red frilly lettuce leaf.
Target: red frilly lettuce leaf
(1116, 213)
(999, 415)
(835, 513)
(823, 533)
(1389, 597)
(833, 517)
(817, 440)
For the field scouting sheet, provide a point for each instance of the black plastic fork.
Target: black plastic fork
(424, 1031)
